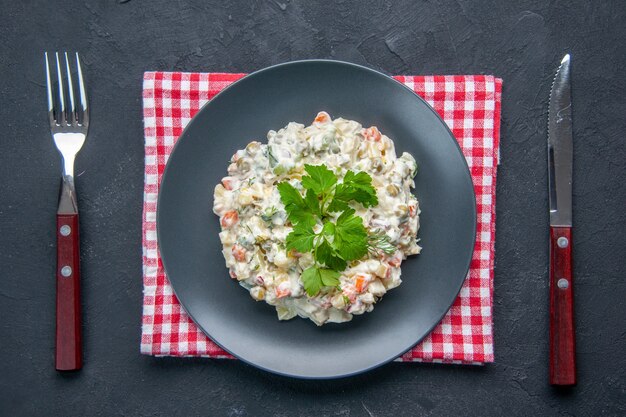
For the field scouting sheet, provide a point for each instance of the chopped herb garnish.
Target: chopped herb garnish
(379, 241)
(270, 156)
(337, 242)
(269, 213)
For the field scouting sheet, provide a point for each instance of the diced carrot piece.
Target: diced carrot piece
(361, 282)
(412, 210)
(239, 253)
(322, 117)
(372, 133)
(229, 219)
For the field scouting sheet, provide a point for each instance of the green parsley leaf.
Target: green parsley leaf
(338, 242)
(338, 204)
(357, 187)
(312, 202)
(325, 254)
(329, 277)
(350, 236)
(311, 280)
(328, 229)
(301, 238)
(302, 217)
(361, 188)
(297, 210)
(320, 179)
(290, 196)
(315, 278)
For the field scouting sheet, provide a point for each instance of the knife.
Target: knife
(560, 144)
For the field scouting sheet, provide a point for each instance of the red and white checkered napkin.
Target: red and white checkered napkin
(470, 105)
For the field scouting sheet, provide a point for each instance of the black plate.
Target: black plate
(188, 229)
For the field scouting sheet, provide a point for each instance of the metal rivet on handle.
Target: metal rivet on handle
(65, 230)
(66, 271)
(562, 283)
(562, 242)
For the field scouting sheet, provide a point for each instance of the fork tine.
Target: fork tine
(71, 115)
(49, 89)
(81, 89)
(61, 112)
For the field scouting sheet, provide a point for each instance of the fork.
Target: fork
(68, 125)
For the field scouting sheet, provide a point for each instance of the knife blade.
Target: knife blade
(560, 163)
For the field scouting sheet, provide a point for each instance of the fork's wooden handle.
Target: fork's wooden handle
(562, 338)
(68, 331)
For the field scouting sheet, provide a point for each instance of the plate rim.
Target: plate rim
(378, 74)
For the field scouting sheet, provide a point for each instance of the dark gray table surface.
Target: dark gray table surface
(522, 42)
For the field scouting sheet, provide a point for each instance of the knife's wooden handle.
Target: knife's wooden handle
(562, 337)
(68, 332)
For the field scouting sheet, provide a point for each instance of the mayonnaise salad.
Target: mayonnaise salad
(255, 225)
